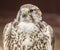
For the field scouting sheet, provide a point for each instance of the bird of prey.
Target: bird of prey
(28, 31)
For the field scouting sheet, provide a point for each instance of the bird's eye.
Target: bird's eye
(24, 15)
(31, 10)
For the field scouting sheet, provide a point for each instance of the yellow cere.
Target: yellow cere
(25, 11)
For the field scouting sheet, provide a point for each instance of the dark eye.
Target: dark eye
(24, 15)
(31, 10)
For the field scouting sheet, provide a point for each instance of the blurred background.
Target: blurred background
(49, 8)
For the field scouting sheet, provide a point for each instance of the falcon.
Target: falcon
(28, 31)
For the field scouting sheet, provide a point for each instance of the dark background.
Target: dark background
(50, 10)
(47, 6)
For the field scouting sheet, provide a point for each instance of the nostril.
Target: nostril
(24, 15)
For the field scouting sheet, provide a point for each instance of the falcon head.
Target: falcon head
(29, 13)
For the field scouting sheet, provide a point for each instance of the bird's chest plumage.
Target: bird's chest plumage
(27, 28)
(28, 36)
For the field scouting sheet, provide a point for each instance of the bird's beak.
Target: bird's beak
(26, 12)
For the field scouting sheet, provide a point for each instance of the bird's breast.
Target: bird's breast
(27, 32)
(27, 27)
